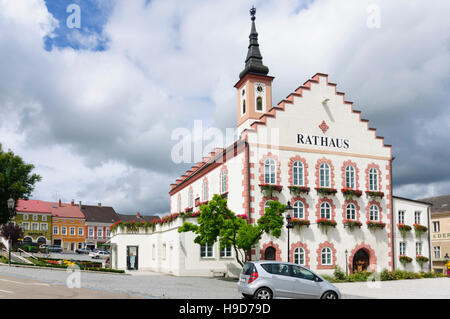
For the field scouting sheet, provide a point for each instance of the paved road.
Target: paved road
(144, 285)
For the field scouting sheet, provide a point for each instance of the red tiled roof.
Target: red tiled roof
(65, 210)
(32, 206)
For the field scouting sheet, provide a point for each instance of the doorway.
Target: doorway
(132, 257)
(360, 261)
(269, 253)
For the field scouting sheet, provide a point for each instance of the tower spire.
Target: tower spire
(253, 62)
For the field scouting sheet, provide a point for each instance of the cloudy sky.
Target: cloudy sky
(94, 107)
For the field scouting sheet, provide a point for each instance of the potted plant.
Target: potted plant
(296, 190)
(300, 222)
(403, 229)
(421, 260)
(404, 260)
(323, 191)
(352, 224)
(325, 223)
(268, 189)
(349, 193)
(375, 225)
(419, 229)
(375, 194)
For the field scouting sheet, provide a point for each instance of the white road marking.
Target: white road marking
(25, 283)
(6, 291)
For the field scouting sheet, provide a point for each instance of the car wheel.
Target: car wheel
(263, 293)
(329, 295)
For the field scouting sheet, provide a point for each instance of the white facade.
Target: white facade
(167, 251)
(409, 212)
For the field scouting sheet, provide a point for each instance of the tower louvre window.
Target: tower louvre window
(259, 103)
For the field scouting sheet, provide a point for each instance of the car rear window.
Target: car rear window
(249, 268)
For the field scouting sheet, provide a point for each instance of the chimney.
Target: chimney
(59, 203)
(72, 203)
(99, 204)
(79, 205)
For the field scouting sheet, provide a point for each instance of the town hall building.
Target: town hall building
(313, 151)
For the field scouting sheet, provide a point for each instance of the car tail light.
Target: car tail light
(253, 277)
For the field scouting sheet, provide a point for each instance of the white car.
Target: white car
(99, 254)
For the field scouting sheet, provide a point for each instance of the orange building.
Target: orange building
(68, 225)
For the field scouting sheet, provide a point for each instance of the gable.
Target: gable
(316, 118)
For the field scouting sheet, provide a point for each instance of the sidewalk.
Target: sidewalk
(428, 288)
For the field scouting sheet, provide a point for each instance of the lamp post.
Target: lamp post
(346, 262)
(446, 257)
(10, 203)
(289, 225)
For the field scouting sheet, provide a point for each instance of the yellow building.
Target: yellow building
(68, 225)
(440, 231)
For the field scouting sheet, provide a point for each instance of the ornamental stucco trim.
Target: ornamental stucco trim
(274, 245)
(317, 174)
(319, 256)
(292, 160)
(344, 166)
(305, 248)
(369, 251)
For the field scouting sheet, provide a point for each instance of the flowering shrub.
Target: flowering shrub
(352, 223)
(326, 191)
(375, 225)
(374, 194)
(243, 216)
(349, 193)
(188, 209)
(299, 189)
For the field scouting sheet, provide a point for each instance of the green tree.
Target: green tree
(16, 180)
(11, 231)
(218, 223)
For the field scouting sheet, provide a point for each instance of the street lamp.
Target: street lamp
(289, 224)
(10, 203)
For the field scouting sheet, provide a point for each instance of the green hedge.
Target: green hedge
(385, 275)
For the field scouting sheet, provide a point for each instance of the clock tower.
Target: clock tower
(254, 88)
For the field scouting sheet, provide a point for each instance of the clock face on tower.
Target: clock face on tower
(259, 88)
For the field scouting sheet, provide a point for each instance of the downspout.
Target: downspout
(392, 214)
(429, 239)
(247, 155)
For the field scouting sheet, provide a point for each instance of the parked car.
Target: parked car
(55, 249)
(99, 254)
(82, 250)
(274, 279)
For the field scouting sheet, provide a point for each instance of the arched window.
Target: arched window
(324, 175)
(350, 177)
(299, 210)
(325, 210)
(244, 107)
(373, 179)
(374, 213)
(326, 256)
(269, 171)
(190, 199)
(299, 256)
(223, 181)
(205, 190)
(351, 212)
(297, 172)
(259, 103)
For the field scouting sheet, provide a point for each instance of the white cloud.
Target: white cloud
(97, 125)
